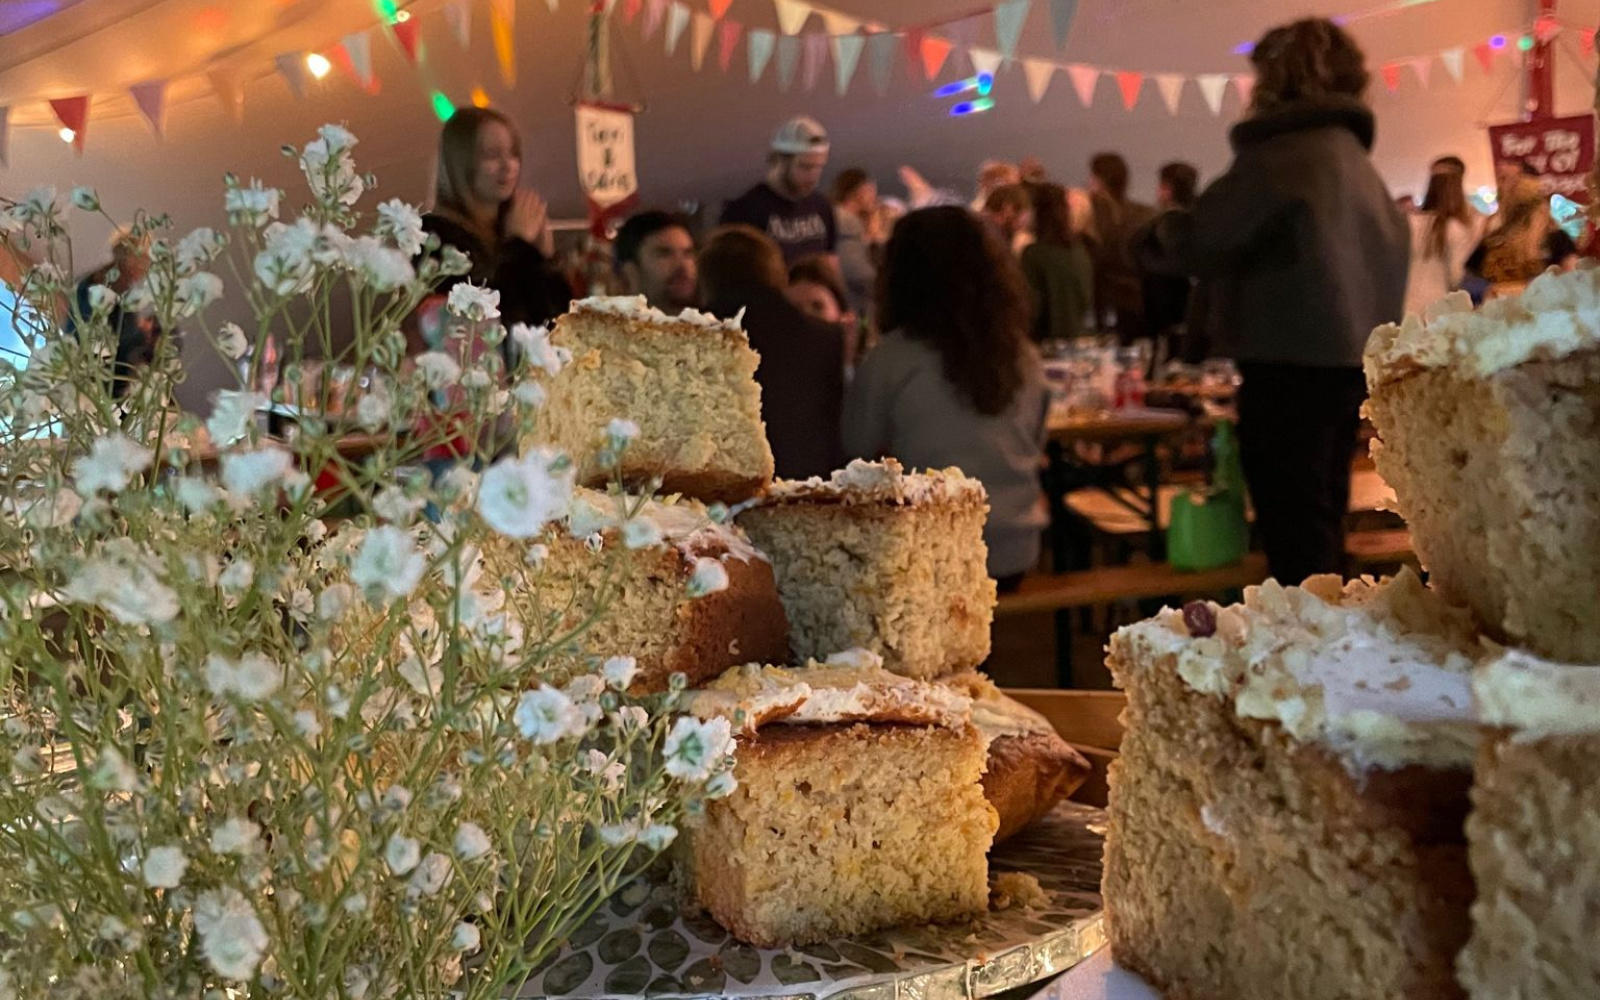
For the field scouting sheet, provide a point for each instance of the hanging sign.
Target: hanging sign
(605, 161)
(1559, 150)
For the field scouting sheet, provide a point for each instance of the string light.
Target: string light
(972, 107)
(402, 17)
(480, 98)
(318, 64)
(982, 83)
(66, 134)
(1497, 41)
(1525, 43)
(442, 106)
(387, 10)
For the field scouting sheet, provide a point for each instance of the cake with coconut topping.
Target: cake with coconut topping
(686, 383)
(881, 559)
(859, 805)
(1487, 421)
(1286, 814)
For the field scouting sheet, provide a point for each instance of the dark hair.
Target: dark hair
(1308, 60)
(1446, 200)
(819, 269)
(948, 281)
(1112, 171)
(1052, 217)
(1448, 162)
(739, 257)
(1007, 196)
(849, 181)
(641, 226)
(1181, 179)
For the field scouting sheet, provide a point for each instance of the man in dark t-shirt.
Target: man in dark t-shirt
(787, 205)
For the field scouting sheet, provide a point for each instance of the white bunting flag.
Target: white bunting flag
(792, 15)
(1171, 87)
(1212, 86)
(1083, 80)
(1038, 73)
(1452, 59)
(677, 20)
(700, 38)
(984, 61)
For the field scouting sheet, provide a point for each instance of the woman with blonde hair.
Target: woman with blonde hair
(481, 209)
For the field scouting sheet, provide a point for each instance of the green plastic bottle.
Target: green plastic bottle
(1209, 529)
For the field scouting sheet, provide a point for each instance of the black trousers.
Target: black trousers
(1297, 433)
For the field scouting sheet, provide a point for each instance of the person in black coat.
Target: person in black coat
(504, 229)
(1303, 252)
(802, 358)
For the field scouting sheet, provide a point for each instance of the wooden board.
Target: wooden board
(1091, 721)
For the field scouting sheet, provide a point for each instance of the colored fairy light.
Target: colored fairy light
(480, 97)
(442, 106)
(318, 64)
(402, 17)
(982, 83)
(387, 10)
(67, 135)
(1525, 43)
(985, 83)
(1497, 41)
(972, 107)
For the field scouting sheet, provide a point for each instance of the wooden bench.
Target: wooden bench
(1062, 593)
(1387, 547)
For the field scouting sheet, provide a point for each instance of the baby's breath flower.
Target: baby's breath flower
(430, 875)
(55, 510)
(471, 842)
(657, 836)
(401, 223)
(232, 415)
(236, 835)
(519, 496)
(231, 341)
(236, 579)
(85, 198)
(199, 247)
(163, 867)
(533, 346)
(374, 410)
(721, 785)
(619, 432)
(473, 302)
(388, 565)
(334, 600)
(401, 853)
(438, 370)
(694, 748)
(124, 584)
(547, 715)
(112, 461)
(392, 504)
(253, 206)
(529, 393)
(232, 938)
(246, 473)
(619, 671)
(708, 577)
(465, 938)
(252, 677)
(196, 292)
(630, 719)
(101, 299)
(196, 495)
(641, 533)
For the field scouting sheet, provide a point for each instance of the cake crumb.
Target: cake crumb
(1016, 889)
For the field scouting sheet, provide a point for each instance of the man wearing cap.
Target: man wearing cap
(787, 204)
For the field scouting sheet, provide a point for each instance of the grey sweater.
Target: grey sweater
(901, 405)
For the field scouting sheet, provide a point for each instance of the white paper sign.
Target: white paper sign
(605, 155)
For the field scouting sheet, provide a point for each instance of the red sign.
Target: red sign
(1559, 150)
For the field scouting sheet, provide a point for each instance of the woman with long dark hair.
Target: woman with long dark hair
(1443, 234)
(480, 209)
(955, 379)
(1058, 268)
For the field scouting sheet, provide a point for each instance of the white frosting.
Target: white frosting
(817, 694)
(636, 307)
(1558, 314)
(1536, 697)
(1378, 673)
(685, 525)
(883, 482)
(1212, 821)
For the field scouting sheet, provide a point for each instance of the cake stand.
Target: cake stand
(640, 944)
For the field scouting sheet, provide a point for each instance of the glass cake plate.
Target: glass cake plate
(640, 944)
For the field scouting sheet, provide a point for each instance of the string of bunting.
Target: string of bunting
(808, 36)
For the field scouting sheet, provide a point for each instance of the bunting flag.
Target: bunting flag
(932, 52)
(1586, 42)
(406, 33)
(677, 20)
(1061, 14)
(788, 60)
(502, 25)
(1009, 17)
(1038, 73)
(719, 8)
(847, 51)
(229, 94)
(1212, 86)
(963, 33)
(758, 47)
(5, 136)
(655, 11)
(813, 50)
(1452, 59)
(292, 67)
(1423, 67)
(700, 39)
(1485, 56)
(356, 48)
(984, 61)
(630, 10)
(459, 16)
(1084, 79)
(728, 32)
(1130, 82)
(1171, 87)
(1245, 84)
(151, 99)
(1391, 76)
(881, 48)
(792, 15)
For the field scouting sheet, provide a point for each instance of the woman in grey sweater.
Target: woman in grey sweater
(956, 380)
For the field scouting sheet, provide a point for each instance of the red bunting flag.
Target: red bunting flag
(719, 8)
(73, 113)
(1586, 41)
(1130, 82)
(1485, 56)
(1391, 76)
(935, 51)
(406, 33)
(727, 41)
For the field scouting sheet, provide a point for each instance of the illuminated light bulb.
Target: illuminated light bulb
(402, 17)
(972, 107)
(480, 98)
(318, 64)
(442, 106)
(1497, 42)
(66, 134)
(1525, 42)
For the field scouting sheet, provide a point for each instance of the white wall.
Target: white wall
(702, 136)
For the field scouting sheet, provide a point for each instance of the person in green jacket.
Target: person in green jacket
(1059, 270)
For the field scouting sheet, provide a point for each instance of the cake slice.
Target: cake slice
(687, 381)
(1286, 812)
(651, 611)
(1487, 423)
(859, 806)
(884, 560)
(1534, 834)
